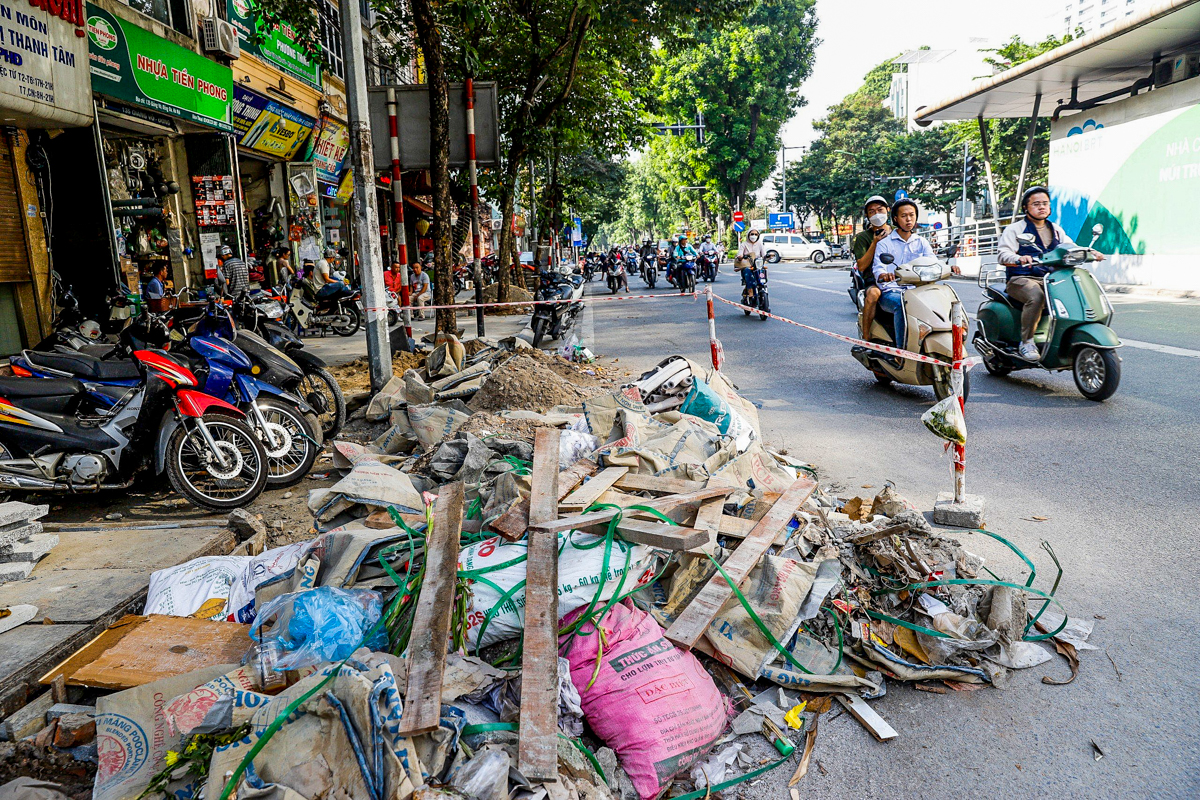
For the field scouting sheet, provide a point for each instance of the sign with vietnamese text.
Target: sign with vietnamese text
(134, 65)
(781, 220)
(267, 126)
(43, 63)
(278, 46)
(330, 147)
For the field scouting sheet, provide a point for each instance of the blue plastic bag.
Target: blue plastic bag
(319, 625)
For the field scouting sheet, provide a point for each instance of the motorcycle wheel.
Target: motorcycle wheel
(290, 462)
(321, 382)
(995, 366)
(941, 383)
(883, 378)
(1097, 373)
(393, 318)
(746, 300)
(539, 330)
(192, 473)
(350, 328)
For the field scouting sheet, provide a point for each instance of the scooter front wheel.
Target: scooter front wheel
(352, 325)
(1097, 373)
(197, 473)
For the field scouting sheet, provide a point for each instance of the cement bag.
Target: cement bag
(776, 589)
(387, 398)
(133, 736)
(494, 566)
(197, 588)
(703, 402)
(651, 703)
(371, 484)
(946, 420)
(446, 359)
(758, 469)
(436, 422)
(259, 568)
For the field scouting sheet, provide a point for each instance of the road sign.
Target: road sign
(739, 225)
(901, 194)
(781, 219)
(937, 226)
(738, 216)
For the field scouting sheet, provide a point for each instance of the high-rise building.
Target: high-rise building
(1093, 15)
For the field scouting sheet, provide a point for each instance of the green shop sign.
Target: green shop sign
(134, 65)
(277, 43)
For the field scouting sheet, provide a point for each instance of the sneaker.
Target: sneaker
(1028, 351)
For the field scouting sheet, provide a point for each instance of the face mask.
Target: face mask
(877, 220)
(753, 237)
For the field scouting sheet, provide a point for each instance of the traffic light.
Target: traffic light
(971, 169)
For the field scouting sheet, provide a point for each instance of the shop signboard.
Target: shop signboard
(330, 148)
(267, 126)
(43, 64)
(277, 47)
(134, 65)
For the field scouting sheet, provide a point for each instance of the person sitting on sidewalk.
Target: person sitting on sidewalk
(420, 293)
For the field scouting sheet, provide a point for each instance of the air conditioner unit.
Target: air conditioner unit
(497, 224)
(219, 36)
(1177, 68)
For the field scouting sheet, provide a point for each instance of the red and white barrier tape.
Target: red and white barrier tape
(882, 348)
(590, 299)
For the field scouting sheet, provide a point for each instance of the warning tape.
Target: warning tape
(589, 299)
(967, 363)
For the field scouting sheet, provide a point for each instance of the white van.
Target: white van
(793, 246)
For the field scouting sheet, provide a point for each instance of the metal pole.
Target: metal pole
(962, 218)
(1033, 121)
(957, 377)
(366, 216)
(713, 344)
(987, 165)
(783, 158)
(470, 89)
(400, 236)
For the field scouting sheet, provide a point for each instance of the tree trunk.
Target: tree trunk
(439, 160)
(504, 260)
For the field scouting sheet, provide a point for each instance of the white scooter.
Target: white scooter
(928, 311)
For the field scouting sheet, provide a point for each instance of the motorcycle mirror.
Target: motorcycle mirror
(1097, 229)
(887, 258)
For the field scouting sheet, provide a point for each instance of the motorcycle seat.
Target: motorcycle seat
(82, 365)
(996, 294)
(24, 388)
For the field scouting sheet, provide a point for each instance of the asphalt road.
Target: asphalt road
(1116, 481)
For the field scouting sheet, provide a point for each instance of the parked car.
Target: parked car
(793, 246)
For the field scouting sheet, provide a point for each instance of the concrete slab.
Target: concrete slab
(129, 549)
(15, 571)
(967, 514)
(28, 643)
(74, 595)
(14, 532)
(31, 549)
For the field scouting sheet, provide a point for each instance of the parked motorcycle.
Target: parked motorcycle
(54, 437)
(756, 295)
(338, 312)
(928, 329)
(1073, 332)
(555, 319)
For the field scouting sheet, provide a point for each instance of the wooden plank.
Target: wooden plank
(656, 483)
(431, 618)
(708, 519)
(570, 477)
(655, 534)
(876, 725)
(537, 753)
(694, 620)
(658, 504)
(513, 523)
(593, 487)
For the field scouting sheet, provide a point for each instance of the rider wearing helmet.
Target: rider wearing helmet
(863, 247)
(682, 250)
(1025, 279)
(708, 249)
(903, 245)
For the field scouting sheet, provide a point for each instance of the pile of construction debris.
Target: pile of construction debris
(607, 596)
(22, 543)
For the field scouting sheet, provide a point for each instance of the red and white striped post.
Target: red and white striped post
(399, 237)
(471, 167)
(718, 353)
(958, 319)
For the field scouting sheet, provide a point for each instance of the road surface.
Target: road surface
(1116, 482)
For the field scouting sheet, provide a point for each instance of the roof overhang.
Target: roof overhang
(1104, 62)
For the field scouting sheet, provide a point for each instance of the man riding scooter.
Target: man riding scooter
(709, 251)
(1016, 253)
(680, 253)
(863, 248)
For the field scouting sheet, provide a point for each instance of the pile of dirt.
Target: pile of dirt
(26, 760)
(355, 376)
(525, 383)
(483, 424)
(516, 294)
(584, 375)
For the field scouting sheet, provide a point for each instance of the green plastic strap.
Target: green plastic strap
(763, 628)
(964, 582)
(912, 626)
(720, 787)
(488, 727)
(1014, 548)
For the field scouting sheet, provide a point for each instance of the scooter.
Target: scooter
(1072, 334)
(858, 288)
(337, 312)
(650, 270)
(756, 296)
(708, 268)
(55, 438)
(929, 329)
(686, 274)
(555, 319)
(615, 274)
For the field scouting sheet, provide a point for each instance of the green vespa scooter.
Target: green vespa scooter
(1073, 332)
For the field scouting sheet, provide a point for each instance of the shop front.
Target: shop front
(162, 191)
(44, 89)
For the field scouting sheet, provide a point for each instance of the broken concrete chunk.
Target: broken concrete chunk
(245, 524)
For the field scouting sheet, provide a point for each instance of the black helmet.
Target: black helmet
(903, 201)
(874, 199)
(1030, 192)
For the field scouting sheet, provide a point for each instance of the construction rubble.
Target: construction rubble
(537, 579)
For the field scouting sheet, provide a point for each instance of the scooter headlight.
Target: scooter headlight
(1076, 257)
(928, 273)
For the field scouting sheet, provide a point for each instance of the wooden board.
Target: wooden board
(876, 725)
(658, 504)
(708, 519)
(655, 534)
(156, 647)
(570, 477)
(513, 523)
(592, 488)
(431, 618)
(695, 618)
(655, 483)
(538, 748)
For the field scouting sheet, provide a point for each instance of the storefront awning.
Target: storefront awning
(1107, 61)
(419, 205)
